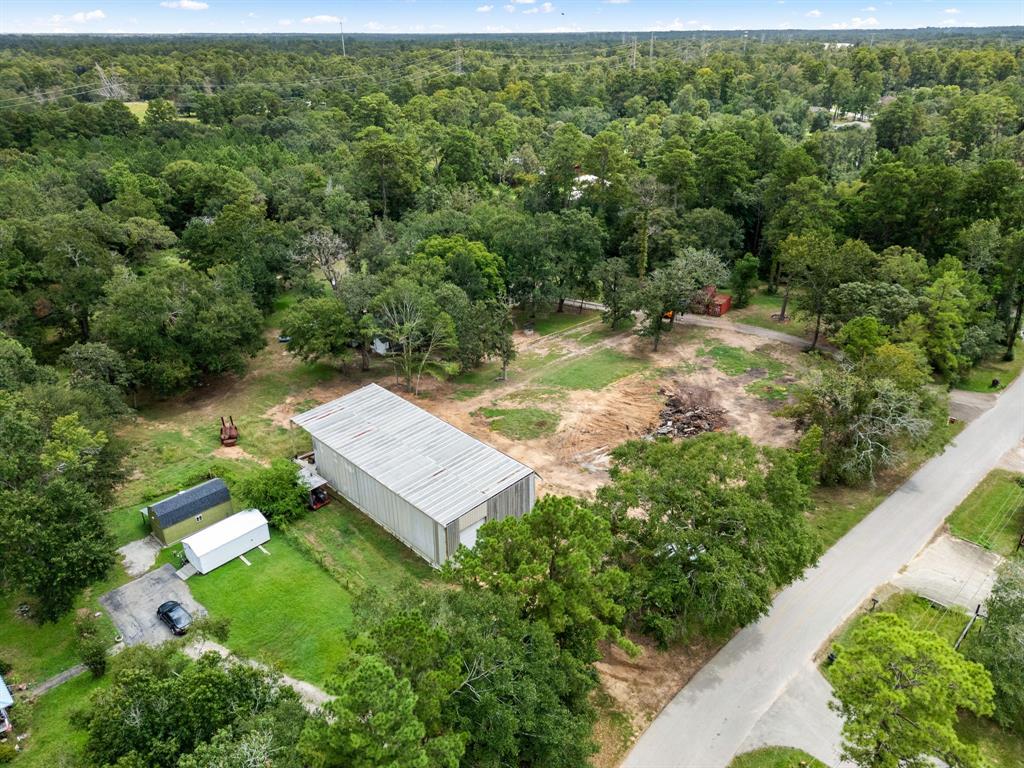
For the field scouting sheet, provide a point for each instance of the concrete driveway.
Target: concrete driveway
(132, 607)
(951, 571)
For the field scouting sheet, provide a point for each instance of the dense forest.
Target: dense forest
(428, 193)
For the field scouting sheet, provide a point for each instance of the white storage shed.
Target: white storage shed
(226, 540)
(431, 485)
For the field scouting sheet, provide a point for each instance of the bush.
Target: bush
(7, 752)
(92, 648)
(276, 492)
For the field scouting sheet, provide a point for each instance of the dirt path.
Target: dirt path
(725, 324)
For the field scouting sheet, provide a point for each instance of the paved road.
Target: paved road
(710, 719)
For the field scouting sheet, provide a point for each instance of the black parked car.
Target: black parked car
(173, 614)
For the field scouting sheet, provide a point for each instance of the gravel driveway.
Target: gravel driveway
(132, 607)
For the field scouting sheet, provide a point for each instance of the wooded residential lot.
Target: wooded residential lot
(722, 293)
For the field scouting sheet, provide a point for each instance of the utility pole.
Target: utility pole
(650, 55)
(632, 61)
(341, 25)
(458, 57)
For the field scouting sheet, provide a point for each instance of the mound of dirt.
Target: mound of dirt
(688, 411)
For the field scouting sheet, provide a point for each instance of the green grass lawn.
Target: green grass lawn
(356, 550)
(993, 515)
(551, 322)
(38, 651)
(285, 610)
(137, 108)
(980, 376)
(52, 740)
(593, 371)
(776, 757)
(760, 310)
(921, 614)
(837, 509)
(173, 442)
(521, 423)
(999, 748)
(735, 361)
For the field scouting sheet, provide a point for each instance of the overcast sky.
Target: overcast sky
(450, 16)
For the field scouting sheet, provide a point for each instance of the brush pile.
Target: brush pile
(688, 413)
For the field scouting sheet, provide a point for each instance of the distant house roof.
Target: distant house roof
(434, 466)
(190, 502)
(230, 528)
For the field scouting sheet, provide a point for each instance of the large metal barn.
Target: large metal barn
(431, 485)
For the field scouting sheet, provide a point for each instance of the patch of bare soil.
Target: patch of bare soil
(594, 423)
(237, 453)
(640, 688)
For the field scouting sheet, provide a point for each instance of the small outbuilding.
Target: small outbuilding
(188, 511)
(428, 483)
(224, 541)
(6, 702)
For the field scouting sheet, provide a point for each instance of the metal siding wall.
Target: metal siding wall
(452, 538)
(387, 509)
(514, 501)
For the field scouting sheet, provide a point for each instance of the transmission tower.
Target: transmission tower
(341, 26)
(110, 87)
(650, 55)
(632, 60)
(458, 57)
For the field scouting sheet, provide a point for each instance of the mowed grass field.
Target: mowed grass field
(993, 515)
(284, 609)
(979, 378)
(52, 740)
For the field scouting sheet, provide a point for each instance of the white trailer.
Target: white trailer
(226, 540)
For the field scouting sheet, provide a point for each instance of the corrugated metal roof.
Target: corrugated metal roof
(228, 529)
(190, 502)
(437, 468)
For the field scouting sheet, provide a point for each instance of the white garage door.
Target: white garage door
(467, 536)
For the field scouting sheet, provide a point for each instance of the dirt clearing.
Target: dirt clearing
(637, 689)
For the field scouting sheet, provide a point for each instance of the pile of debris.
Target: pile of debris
(688, 413)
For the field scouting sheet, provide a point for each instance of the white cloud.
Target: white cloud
(949, 23)
(497, 30)
(952, 10)
(485, 9)
(813, 14)
(373, 26)
(870, 9)
(79, 18)
(546, 7)
(509, 8)
(529, 11)
(616, 2)
(284, 22)
(185, 5)
(857, 23)
(523, 2)
(323, 19)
